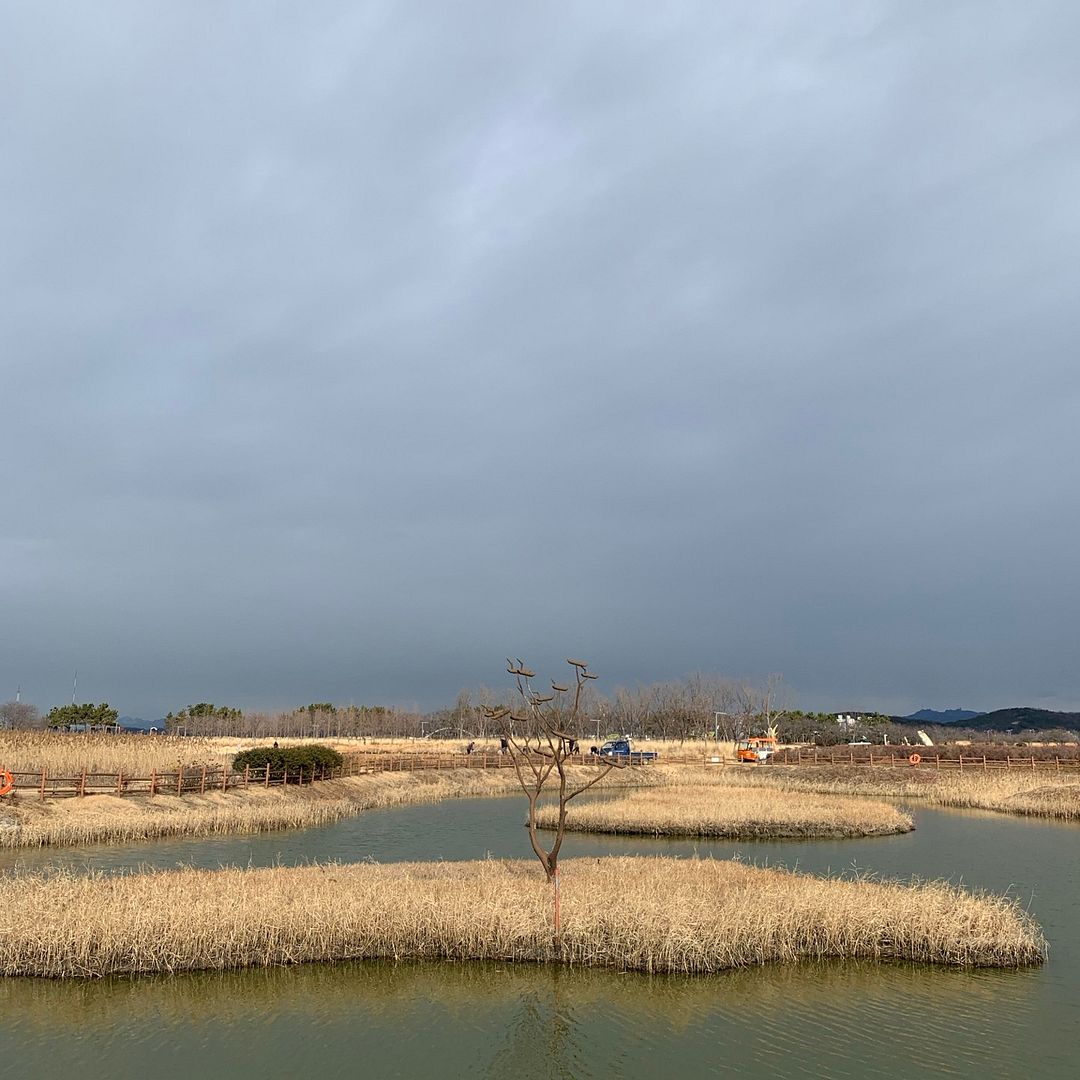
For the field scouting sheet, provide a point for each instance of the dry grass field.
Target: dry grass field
(62, 753)
(738, 812)
(67, 754)
(1037, 794)
(657, 915)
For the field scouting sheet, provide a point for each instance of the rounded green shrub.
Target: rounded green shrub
(305, 761)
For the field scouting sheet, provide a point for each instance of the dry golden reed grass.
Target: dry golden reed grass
(629, 913)
(742, 812)
(1037, 794)
(65, 754)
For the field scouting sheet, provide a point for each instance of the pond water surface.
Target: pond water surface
(497, 1020)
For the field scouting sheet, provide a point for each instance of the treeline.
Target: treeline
(321, 720)
(21, 715)
(696, 707)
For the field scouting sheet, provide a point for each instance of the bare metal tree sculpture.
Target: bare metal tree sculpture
(541, 734)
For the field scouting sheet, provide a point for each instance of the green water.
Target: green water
(419, 1020)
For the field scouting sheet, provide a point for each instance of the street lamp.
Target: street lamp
(716, 725)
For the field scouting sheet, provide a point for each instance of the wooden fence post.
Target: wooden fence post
(202, 785)
(120, 782)
(153, 783)
(247, 775)
(180, 780)
(42, 785)
(224, 777)
(82, 783)
(268, 774)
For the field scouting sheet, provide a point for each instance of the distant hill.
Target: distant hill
(943, 716)
(1024, 719)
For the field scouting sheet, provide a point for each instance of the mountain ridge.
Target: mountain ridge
(943, 716)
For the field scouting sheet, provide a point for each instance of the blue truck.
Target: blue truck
(621, 749)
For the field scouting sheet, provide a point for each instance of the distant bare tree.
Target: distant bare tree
(463, 713)
(20, 714)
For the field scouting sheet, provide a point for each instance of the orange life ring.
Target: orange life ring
(915, 759)
(7, 781)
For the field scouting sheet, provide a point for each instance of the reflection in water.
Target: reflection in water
(386, 987)
(522, 1020)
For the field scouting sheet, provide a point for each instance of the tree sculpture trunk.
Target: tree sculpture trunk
(540, 737)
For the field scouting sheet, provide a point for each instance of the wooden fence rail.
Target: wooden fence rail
(193, 781)
(927, 761)
(198, 780)
(930, 760)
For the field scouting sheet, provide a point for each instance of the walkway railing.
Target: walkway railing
(359, 763)
(927, 759)
(201, 779)
(190, 781)
(937, 761)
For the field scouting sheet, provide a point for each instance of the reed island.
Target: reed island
(634, 914)
(709, 810)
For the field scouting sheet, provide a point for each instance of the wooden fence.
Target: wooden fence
(199, 780)
(364, 762)
(190, 781)
(927, 760)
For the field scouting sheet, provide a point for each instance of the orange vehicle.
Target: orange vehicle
(756, 750)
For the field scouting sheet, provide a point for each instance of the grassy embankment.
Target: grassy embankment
(109, 819)
(626, 913)
(710, 810)
(1036, 794)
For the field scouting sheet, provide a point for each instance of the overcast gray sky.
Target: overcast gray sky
(350, 347)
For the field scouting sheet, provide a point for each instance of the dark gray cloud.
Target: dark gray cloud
(348, 347)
